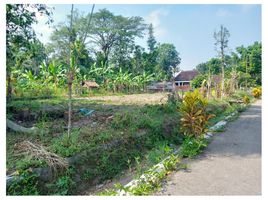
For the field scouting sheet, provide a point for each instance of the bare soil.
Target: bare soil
(139, 99)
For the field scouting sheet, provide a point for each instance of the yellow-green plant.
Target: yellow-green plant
(246, 99)
(194, 118)
(256, 92)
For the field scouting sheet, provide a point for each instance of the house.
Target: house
(183, 79)
(90, 84)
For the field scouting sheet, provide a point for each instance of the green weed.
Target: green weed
(192, 146)
(25, 183)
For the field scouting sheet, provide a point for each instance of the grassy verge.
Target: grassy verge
(113, 139)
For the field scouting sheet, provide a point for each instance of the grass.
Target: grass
(106, 146)
(115, 138)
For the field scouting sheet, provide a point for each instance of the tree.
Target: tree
(60, 39)
(109, 31)
(198, 80)
(167, 58)
(221, 46)
(212, 65)
(74, 52)
(19, 33)
(249, 62)
(151, 42)
(137, 60)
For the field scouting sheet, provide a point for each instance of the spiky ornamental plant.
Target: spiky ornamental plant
(194, 118)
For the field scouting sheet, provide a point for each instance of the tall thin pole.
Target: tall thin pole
(70, 81)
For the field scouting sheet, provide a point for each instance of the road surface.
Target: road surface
(231, 164)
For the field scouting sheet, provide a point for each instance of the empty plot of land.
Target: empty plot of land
(141, 99)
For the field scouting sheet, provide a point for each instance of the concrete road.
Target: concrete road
(231, 164)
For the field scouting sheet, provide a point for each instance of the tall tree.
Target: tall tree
(250, 62)
(151, 42)
(109, 31)
(19, 32)
(221, 46)
(168, 58)
(74, 45)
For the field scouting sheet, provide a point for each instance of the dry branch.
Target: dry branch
(39, 152)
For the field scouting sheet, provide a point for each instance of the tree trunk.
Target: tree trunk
(70, 83)
(222, 71)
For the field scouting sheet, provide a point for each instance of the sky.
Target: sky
(189, 27)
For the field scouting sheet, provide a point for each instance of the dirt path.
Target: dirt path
(231, 165)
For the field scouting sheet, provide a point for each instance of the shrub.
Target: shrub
(192, 146)
(256, 92)
(194, 117)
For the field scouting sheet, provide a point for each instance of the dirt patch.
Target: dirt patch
(140, 99)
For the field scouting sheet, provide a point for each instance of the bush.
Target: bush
(194, 116)
(192, 146)
(239, 95)
(256, 92)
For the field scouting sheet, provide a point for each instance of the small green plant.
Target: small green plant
(143, 189)
(25, 183)
(63, 184)
(67, 146)
(89, 174)
(138, 165)
(171, 162)
(192, 146)
(122, 120)
(194, 119)
(110, 192)
(246, 100)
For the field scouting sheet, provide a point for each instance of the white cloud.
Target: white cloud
(223, 13)
(155, 18)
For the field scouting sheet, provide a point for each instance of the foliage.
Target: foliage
(212, 65)
(192, 146)
(66, 146)
(171, 163)
(25, 183)
(246, 100)
(256, 92)
(167, 58)
(21, 40)
(250, 63)
(198, 80)
(151, 39)
(194, 118)
(63, 184)
(245, 62)
(150, 182)
(158, 153)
